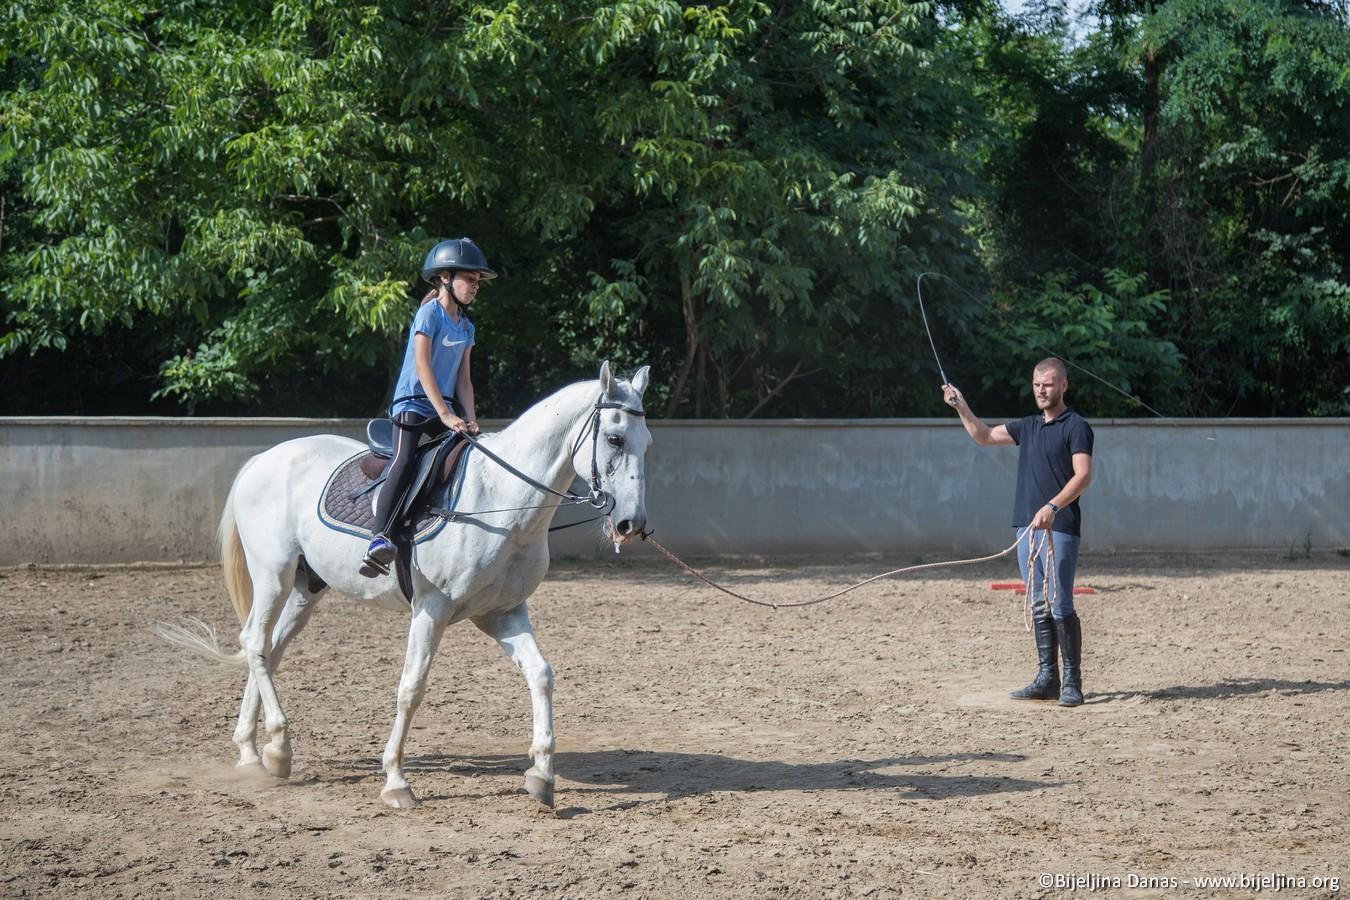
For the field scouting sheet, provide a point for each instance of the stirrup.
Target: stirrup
(379, 556)
(373, 568)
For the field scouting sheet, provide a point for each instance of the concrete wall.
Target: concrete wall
(77, 490)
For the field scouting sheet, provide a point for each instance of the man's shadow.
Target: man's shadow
(1224, 690)
(673, 775)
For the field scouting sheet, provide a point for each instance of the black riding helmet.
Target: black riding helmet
(459, 254)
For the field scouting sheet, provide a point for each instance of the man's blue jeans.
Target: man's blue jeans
(1066, 564)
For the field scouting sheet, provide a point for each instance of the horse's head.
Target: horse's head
(611, 456)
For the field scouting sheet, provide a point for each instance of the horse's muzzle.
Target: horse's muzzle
(625, 530)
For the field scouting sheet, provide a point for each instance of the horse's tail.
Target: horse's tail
(237, 580)
(198, 636)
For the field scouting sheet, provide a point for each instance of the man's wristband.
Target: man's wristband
(1053, 507)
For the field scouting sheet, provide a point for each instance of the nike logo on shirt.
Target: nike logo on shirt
(446, 342)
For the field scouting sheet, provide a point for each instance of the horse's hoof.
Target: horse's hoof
(250, 768)
(539, 788)
(277, 762)
(398, 798)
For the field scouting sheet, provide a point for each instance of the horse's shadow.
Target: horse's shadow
(1224, 690)
(673, 776)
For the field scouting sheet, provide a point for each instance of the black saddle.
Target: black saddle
(434, 463)
(433, 460)
(380, 437)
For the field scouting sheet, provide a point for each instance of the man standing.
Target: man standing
(1054, 467)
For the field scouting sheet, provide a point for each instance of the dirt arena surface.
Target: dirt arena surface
(864, 748)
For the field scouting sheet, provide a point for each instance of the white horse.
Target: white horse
(479, 568)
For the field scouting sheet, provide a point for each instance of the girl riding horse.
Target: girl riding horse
(435, 376)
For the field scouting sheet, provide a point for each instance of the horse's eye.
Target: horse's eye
(614, 440)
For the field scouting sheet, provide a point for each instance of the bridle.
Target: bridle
(597, 498)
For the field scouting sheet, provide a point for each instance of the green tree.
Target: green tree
(738, 191)
(1253, 199)
(784, 175)
(1110, 333)
(223, 205)
(1202, 143)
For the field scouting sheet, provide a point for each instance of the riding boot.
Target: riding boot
(1045, 686)
(382, 552)
(1070, 632)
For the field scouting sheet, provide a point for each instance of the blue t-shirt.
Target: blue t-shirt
(450, 340)
(1045, 464)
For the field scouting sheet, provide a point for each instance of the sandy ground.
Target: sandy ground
(707, 748)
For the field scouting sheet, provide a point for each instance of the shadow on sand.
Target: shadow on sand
(1224, 690)
(677, 775)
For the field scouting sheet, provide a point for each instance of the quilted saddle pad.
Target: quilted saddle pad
(347, 506)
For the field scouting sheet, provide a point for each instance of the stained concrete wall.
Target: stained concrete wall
(77, 490)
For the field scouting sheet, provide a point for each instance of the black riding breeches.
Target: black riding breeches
(408, 431)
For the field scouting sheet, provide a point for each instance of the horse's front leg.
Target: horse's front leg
(424, 635)
(512, 630)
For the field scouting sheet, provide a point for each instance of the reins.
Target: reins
(597, 498)
(569, 497)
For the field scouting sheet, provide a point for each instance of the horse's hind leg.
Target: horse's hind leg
(512, 630)
(271, 586)
(295, 614)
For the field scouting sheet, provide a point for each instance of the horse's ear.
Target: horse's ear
(606, 380)
(640, 378)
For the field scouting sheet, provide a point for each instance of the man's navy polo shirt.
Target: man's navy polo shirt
(1045, 464)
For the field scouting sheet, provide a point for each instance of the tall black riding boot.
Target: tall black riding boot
(1045, 686)
(1070, 632)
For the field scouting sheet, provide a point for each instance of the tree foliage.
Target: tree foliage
(1201, 143)
(1253, 184)
(221, 207)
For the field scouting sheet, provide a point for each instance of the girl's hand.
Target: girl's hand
(472, 427)
(454, 422)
